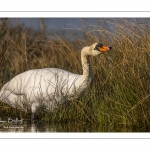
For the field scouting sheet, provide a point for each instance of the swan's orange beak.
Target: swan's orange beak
(104, 48)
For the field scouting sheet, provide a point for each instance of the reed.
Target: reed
(120, 92)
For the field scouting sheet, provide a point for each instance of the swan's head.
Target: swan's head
(98, 48)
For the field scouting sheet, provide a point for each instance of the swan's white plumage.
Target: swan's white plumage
(49, 86)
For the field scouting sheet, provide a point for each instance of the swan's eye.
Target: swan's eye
(98, 46)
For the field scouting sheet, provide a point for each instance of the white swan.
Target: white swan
(49, 87)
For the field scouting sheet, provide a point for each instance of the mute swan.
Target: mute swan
(49, 87)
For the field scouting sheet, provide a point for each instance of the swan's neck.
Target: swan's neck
(87, 69)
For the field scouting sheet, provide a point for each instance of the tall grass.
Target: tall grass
(120, 92)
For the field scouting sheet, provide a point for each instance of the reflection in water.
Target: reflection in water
(69, 127)
(27, 127)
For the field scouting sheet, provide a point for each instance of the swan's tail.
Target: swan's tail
(11, 99)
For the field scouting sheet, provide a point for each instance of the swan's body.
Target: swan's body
(49, 86)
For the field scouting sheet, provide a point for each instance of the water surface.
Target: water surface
(69, 127)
